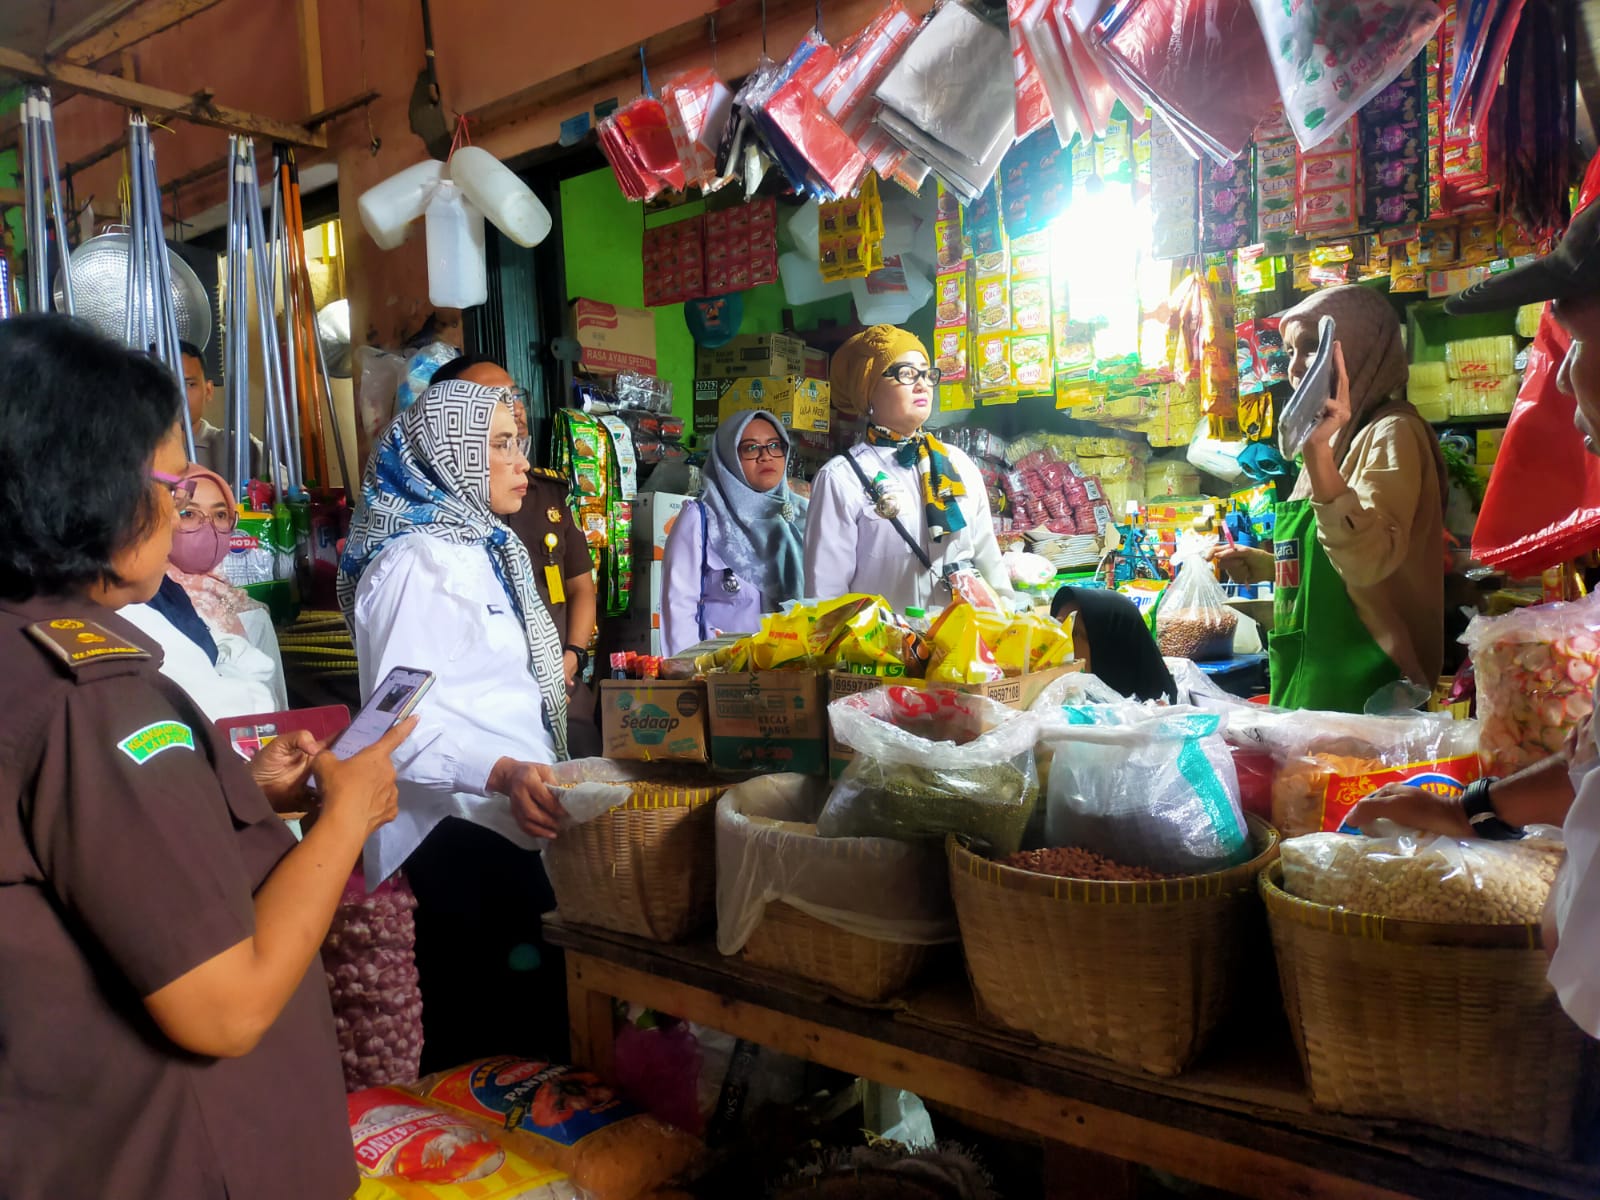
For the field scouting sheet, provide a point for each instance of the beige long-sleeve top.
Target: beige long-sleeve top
(1385, 537)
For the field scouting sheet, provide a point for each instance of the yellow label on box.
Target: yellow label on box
(802, 404)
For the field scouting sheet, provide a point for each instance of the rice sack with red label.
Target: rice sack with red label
(565, 1118)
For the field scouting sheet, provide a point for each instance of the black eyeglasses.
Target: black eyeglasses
(760, 450)
(907, 375)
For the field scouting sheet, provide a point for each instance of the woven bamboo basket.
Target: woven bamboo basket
(1451, 1025)
(1139, 973)
(647, 867)
(847, 964)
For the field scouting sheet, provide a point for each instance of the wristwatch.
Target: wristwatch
(1480, 814)
(583, 657)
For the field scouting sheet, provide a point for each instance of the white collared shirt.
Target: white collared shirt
(439, 607)
(851, 548)
(682, 586)
(240, 684)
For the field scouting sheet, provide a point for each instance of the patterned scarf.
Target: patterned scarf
(941, 484)
(429, 473)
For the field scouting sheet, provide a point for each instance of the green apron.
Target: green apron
(1321, 653)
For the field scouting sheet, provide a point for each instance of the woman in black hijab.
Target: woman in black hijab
(1112, 640)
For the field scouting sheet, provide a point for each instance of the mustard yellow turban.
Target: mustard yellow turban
(862, 360)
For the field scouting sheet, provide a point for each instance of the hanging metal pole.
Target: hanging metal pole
(33, 206)
(264, 286)
(53, 161)
(293, 391)
(132, 329)
(231, 367)
(286, 462)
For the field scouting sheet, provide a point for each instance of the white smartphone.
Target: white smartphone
(393, 700)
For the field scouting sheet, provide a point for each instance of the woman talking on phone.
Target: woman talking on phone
(1358, 564)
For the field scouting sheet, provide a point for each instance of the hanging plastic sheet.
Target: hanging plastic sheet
(1330, 59)
(698, 107)
(864, 61)
(1033, 102)
(1201, 63)
(796, 113)
(950, 99)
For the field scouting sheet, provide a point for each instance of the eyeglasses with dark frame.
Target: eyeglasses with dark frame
(908, 375)
(760, 450)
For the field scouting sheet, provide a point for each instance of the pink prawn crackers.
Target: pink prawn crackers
(1536, 671)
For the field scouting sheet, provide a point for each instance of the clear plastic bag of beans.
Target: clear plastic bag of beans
(1194, 620)
(1536, 670)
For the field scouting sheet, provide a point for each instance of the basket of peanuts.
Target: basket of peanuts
(1535, 670)
(1115, 960)
(1415, 984)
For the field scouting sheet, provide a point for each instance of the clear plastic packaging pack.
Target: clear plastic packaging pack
(768, 852)
(1535, 670)
(1194, 620)
(1181, 818)
(931, 762)
(1413, 876)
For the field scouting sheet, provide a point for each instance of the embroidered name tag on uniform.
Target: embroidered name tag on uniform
(78, 643)
(150, 741)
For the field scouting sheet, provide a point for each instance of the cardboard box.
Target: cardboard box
(753, 354)
(614, 339)
(1018, 692)
(768, 721)
(653, 720)
(816, 364)
(654, 515)
(707, 415)
(799, 403)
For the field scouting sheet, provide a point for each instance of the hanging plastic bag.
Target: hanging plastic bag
(1412, 876)
(1195, 621)
(1330, 59)
(1184, 817)
(698, 107)
(1542, 506)
(1201, 63)
(1535, 670)
(931, 762)
(1215, 456)
(1033, 102)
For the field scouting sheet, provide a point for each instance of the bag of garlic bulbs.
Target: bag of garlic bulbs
(1413, 876)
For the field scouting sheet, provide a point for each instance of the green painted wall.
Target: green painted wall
(11, 176)
(602, 236)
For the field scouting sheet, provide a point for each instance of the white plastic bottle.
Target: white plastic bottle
(388, 208)
(495, 191)
(457, 274)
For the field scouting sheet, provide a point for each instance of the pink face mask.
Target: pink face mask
(199, 551)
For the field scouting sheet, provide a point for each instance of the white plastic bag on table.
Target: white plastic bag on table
(768, 853)
(1194, 620)
(1149, 787)
(1324, 763)
(1536, 670)
(457, 274)
(591, 787)
(1413, 876)
(1330, 59)
(931, 762)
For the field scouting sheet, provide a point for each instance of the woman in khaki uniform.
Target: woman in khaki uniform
(164, 1025)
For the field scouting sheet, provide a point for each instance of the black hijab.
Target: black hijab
(1121, 651)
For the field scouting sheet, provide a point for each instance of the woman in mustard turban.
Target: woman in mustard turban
(899, 512)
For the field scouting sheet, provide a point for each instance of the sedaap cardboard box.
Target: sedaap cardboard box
(768, 721)
(1017, 692)
(753, 354)
(643, 720)
(800, 404)
(613, 339)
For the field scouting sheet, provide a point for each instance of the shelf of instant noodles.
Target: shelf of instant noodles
(1238, 1119)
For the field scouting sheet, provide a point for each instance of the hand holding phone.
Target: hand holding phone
(392, 701)
(360, 792)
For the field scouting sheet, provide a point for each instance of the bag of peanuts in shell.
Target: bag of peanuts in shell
(1194, 620)
(1325, 763)
(1536, 670)
(1410, 876)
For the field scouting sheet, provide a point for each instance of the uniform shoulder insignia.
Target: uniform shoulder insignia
(80, 644)
(547, 474)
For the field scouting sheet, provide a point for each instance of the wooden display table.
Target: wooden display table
(1239, 1119)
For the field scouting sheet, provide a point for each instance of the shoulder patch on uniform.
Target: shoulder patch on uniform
(80, 643)
(144, 744)
(547, 473)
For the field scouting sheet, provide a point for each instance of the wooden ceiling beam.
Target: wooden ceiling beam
(89, 46)
(198, 108)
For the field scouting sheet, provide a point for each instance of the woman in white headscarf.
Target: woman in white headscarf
(431, 578)
(738, 551)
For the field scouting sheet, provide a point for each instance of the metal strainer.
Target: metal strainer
(100, 289)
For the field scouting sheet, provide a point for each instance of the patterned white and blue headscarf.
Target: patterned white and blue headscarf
(429, 473)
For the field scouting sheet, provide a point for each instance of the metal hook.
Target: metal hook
(713, 20)
(818, 24)
(644, 73)
(763, 28)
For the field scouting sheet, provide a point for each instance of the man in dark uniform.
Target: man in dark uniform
(490, 984)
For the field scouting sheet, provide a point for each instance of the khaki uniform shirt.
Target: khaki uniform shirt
(132, 843)
(546, 515)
